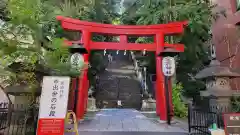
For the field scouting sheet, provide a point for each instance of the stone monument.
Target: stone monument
(217, 79)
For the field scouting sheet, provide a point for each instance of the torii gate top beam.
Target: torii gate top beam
(123, 31)
(146, 30)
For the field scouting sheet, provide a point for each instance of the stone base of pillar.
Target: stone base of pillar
(219, 100)
(148, 105)
(220, 104)
(91, 104)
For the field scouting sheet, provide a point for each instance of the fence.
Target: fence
(201, 118)
(18, 119)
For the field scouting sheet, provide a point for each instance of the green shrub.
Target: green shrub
(180, 109)
(235, 102)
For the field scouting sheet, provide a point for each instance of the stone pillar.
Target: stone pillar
(91, 105)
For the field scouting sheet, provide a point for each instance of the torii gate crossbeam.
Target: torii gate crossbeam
(123, 31)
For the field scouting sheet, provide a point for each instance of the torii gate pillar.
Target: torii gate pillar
(157, 31)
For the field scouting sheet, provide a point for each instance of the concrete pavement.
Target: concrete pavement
(127, 122)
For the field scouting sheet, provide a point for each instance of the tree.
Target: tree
(32, 40)
(101, 11)
(25, 54)
(199, 16)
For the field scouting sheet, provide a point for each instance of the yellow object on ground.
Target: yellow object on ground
(71, 120)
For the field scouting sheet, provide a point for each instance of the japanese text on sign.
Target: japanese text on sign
(54, 97)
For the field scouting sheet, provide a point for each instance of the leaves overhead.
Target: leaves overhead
(23, 57)
(23, 38)
(32, 38)
(199, 16)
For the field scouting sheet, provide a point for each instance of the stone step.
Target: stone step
(119, 82)
(147, 105)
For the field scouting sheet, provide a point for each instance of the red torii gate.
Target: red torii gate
(157, 31)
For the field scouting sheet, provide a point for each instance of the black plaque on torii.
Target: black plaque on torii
(232, 123)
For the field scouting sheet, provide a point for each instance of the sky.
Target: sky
(122, 4)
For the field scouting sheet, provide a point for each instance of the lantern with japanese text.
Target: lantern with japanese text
(77, 51)
(168, 69)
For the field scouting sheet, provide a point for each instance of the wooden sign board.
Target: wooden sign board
(53, 105)
(232, 123)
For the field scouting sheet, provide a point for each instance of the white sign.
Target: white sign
(77, 60)
(168, 66)
(54, 97)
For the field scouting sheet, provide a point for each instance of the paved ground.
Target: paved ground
(125, 121)
(129, 133)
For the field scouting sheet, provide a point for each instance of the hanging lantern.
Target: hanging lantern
(125, 52)
(117, 52)
(77, 51)
(77, 60)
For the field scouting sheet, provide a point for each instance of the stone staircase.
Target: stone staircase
(119, 83)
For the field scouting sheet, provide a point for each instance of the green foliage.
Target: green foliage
(180, 109)
(58, 60)
(3, 11)
(98, 65)
(24, 38)
(235, 102)
(199, 17)
(23, 44)
(97, 61)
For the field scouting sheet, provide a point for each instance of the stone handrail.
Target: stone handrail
(140, 74)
